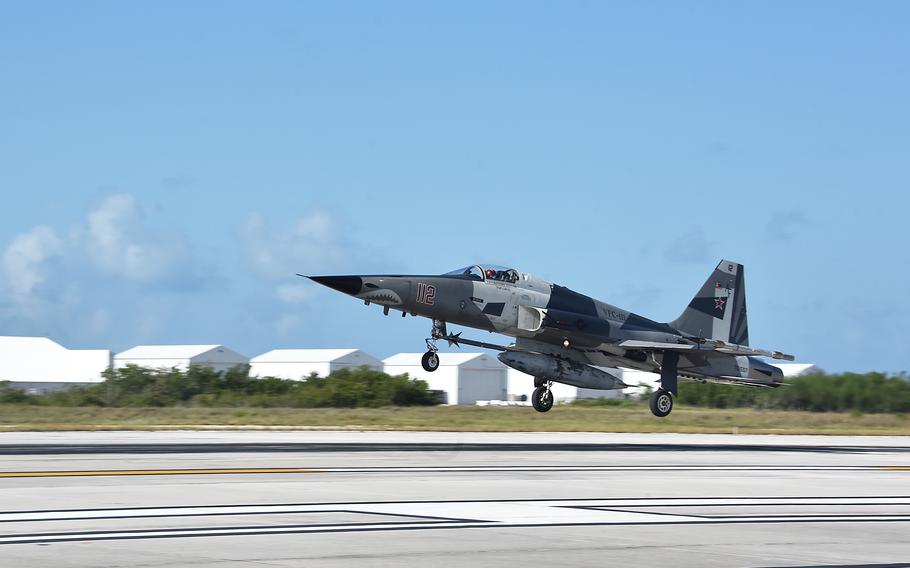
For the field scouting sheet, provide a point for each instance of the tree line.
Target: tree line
(363, 387)
(203, 386)
(866, 392)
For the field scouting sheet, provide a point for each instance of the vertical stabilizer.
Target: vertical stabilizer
(718, 311)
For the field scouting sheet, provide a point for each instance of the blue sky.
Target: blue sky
(166, 167)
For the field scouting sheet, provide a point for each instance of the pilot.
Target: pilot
(490, 273)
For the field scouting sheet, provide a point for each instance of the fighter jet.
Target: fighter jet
(566, 337)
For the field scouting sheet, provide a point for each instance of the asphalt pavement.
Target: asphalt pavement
(278, 498)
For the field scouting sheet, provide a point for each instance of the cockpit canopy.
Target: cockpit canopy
(484, 272)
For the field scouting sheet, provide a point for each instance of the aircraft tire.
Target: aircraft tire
(430, 361)
(542, 399)
(661, 403)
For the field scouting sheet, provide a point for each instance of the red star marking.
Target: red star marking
(719, 303)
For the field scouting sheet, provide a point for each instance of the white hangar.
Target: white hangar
(300, 363)
(798, 369)
(218, 357)
(464, 377)
(38, 365)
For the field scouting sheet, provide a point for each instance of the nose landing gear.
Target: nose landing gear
(542, 397)
(430, 359)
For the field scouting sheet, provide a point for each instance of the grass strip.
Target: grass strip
(564, 418)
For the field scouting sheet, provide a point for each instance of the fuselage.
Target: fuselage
(504, 301)
(543, 316)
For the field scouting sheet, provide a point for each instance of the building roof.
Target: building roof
(797, 369)
(305, 355)
(14, 343)
(39, 359)
(14, 346)
(166, 351)
(445, 359)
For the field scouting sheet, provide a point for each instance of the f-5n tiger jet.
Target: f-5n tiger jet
(566, 337)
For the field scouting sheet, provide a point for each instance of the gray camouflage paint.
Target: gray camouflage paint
(719, 308)
(543, 316)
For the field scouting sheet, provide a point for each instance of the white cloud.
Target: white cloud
(98, 322)
(111, 275)
(784, 226)
(120, 244)
(311, 245)
(691, 247)
(64, 284)
(294, 293)
(288, 325)
(25, 260)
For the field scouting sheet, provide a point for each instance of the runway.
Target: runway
(276, 498)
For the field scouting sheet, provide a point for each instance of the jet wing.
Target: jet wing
(707, 345)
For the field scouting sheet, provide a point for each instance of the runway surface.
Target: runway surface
(274, 498)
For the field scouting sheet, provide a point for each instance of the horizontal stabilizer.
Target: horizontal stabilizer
(708, 345)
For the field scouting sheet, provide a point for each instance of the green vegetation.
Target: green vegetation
(201, 386)
(869, 392)
(137, 398)
(563, 418)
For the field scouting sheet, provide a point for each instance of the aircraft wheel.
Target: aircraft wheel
(542, 399)
(430, 361)
(661, 403)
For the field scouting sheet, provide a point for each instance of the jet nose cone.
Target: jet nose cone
(347, 284)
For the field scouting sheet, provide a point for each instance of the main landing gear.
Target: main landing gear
(430, 359)
(542, 397)
(662, 400)
(661, 403)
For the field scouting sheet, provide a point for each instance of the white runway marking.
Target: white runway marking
(441, 469)
(44, 526)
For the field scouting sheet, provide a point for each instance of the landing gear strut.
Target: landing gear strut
(542, 397)
(430, 359)
(662, 400)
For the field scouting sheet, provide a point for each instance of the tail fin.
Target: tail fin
(718, 311)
